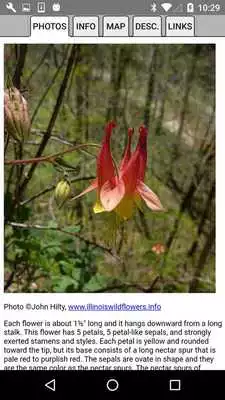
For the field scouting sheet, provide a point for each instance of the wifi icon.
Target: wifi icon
(166, 6)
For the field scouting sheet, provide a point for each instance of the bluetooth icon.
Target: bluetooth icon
(153, 7)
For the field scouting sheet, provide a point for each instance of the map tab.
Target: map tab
(115, 26)
(180, 26)
(147, 26)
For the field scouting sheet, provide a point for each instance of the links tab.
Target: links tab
(180, 26)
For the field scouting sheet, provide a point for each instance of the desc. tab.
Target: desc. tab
(49, 27)
(115, 26)
(85, 26)
(147, 26)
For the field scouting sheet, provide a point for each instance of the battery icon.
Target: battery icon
(190, 7)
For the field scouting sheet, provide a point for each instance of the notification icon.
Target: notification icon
(56, 7)
(41, 7)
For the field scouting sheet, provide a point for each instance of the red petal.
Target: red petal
(142, 145)
(105, 167)
(127, 153)
(90, 188)
(135, 169)
(109, 127)
(149, 197)
(111, 195)
(131, 172)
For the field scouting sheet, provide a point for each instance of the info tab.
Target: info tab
(42, 26)
(85, 26)
(180, 26)
(115, 26)
(147, 26)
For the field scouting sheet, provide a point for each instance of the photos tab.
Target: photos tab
(115, 26)
(41, 27)
(147, 26)
(180, 26)
(85, 26)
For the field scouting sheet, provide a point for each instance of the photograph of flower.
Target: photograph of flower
(109, 168)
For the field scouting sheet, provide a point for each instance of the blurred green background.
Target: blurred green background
(72, 91)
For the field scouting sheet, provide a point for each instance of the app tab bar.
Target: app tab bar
(92, 26)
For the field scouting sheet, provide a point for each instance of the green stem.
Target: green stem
(52, 157)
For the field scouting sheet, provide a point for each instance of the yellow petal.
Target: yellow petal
(126, 207)
(98, 208)
(138, 202)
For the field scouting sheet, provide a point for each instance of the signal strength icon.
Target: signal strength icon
(166, 6)
(178, 9)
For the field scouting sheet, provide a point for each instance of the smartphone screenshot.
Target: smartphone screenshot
(112, 276)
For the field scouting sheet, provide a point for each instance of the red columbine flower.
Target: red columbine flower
(132, 173)
(123, 192)
(106, 174)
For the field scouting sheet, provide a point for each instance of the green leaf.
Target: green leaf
(76, 274)
(59, 256)
(28, 245)
(73, 229)
(97, 282)
(52, 224)
(64, 284)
